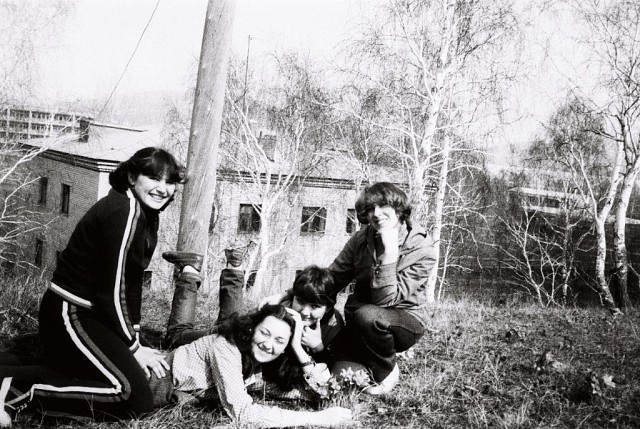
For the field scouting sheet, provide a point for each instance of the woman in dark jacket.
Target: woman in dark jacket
(90, 314)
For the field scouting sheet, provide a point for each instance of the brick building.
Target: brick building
(309, 226)
(315, 218)
(72, 173)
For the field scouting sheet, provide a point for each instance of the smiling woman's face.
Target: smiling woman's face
(270, 339)
(309, 313)
(382, 217)
(153, 192)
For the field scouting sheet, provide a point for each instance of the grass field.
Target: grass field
(480, 366)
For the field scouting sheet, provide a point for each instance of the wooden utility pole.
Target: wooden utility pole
(206, 123)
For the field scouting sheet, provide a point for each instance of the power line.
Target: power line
(144, 30)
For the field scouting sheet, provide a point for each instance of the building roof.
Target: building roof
(107, 145)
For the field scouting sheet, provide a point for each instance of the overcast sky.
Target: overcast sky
(100, 37)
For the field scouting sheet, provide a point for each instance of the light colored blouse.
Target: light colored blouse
(213, 361)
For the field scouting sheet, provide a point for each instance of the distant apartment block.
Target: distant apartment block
(31, 123)
(547, 201)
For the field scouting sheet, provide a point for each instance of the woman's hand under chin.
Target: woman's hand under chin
(296, 338)
(389, 238)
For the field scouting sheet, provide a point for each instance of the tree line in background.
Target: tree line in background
(27, 30)
(420, 93)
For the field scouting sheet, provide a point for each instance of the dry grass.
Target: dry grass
(479, 367)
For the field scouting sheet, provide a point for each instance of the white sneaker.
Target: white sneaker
(5, 418)
(386, 385)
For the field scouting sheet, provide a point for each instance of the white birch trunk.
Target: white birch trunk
(619, 235)
(438, 214)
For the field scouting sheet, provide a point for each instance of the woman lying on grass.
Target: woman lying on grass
(311, 298)
(231, 361)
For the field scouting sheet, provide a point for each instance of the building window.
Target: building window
(39, 248)
(313, 220)
(552, 202)
(65, 195)
(248, 219)
(44, 184)
(351, 221)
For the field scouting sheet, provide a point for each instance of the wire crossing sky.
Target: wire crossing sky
(96, 45)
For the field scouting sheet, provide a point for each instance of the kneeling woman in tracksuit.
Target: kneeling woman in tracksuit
(90, 314)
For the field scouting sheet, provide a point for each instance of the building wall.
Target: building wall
(299, 249)
(84, 187)
(88, 181)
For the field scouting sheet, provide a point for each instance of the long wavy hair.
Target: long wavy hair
(150, 161)
(239, 330)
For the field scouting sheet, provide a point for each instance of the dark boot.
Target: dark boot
(182, 259)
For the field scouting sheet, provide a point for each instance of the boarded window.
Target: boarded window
(248, 219)
(313, 220)
(212, 219)
(39, 250)
(351, 221)
(147, 277)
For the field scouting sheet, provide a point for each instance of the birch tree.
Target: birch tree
(434, 64)
(359, 141)
(273, 140)
(612, 35)
(27, 29)
(577, 149)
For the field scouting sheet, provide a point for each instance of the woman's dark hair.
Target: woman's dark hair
(239, 330)
(361, 210)
(315, 285)
(386, 194)
(150, 161)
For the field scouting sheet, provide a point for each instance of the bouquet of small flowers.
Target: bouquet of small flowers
(348, 384)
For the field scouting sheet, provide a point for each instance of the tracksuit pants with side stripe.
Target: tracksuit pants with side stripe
(87, 369)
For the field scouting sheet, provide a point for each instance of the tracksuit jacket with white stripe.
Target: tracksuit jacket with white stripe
(89, 319)
(103, 265)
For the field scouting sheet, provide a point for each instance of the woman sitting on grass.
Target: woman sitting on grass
(389, 262)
